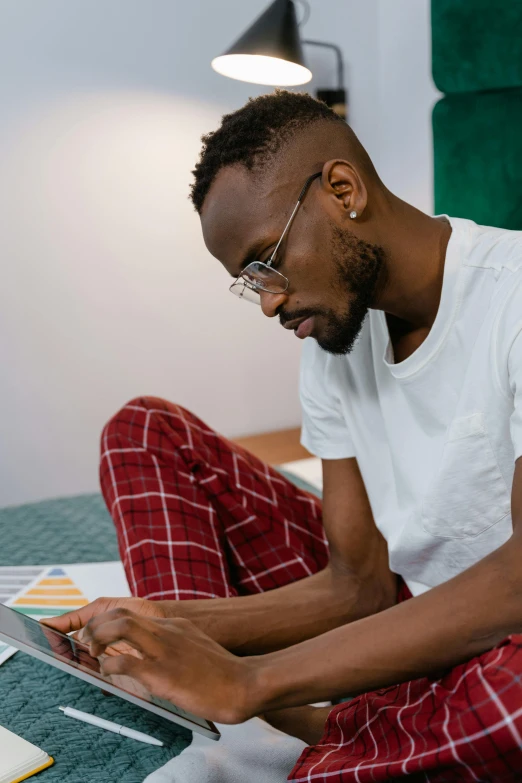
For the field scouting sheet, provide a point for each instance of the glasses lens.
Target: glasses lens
(241, 289)
(264, 277)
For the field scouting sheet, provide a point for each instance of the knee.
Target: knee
(137, 414)
(502, 665)
(496, 679)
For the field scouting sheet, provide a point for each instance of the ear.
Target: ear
(342, 181)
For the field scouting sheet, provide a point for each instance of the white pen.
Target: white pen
(110, 726)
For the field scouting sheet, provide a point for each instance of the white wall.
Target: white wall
(107, 289)
(406, 97)
(388, 49)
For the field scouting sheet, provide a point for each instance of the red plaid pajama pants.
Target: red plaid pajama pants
(199, 517)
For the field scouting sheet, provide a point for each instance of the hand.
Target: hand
(78, 619)
(200, 612)
(70, 649)
(175, 660)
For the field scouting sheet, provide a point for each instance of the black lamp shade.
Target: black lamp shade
(269, 52)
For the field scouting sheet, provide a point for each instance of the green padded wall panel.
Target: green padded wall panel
(478, 157)
(476, 44)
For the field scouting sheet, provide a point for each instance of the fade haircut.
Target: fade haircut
(254, 134)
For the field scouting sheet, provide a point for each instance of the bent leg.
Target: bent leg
(198, 516)
(465, 726)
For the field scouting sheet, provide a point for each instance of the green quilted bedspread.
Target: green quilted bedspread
(74, 530)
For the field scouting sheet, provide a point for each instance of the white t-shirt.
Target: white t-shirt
(436, 436)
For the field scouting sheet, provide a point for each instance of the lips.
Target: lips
(301, 326)
(305, 328)
(295, 323)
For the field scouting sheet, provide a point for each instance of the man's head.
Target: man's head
(247, 182)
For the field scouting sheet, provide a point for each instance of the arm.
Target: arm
(451, 623)
(357, 582)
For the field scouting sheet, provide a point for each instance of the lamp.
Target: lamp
(271, 52)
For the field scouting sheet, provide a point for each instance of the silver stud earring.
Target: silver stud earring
(353, 214)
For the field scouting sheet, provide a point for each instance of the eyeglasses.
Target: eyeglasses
(261, 276)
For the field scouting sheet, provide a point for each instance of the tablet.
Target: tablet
(72, 657)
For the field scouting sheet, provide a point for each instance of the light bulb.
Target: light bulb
(260, 69)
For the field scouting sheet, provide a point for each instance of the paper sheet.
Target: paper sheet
(307, 469)
(51, 590)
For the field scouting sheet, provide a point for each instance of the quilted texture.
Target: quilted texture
(67, 531)
(478, 157)
(477, 45)
(477, 62)
(74, 530)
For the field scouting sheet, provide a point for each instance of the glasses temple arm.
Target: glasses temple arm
(299, 200)
(269, 262)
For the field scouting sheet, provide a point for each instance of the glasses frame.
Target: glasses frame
(242, 283)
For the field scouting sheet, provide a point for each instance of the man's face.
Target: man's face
(333, 275)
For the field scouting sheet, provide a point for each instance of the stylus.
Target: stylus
(110, 726)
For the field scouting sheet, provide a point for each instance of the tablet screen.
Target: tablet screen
(58, 646)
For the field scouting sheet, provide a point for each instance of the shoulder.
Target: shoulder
(492, 248)
(493, 256)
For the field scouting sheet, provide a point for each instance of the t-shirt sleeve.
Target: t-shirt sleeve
(324, 430)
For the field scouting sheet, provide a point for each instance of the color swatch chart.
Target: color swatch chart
(48, 591)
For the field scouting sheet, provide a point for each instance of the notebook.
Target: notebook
(19, 759)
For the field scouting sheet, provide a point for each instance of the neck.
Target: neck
(415, 246)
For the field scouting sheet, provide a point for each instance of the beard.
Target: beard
(360, 272)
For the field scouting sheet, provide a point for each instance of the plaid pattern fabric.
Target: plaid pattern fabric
(199, 517)
(463, 726)
(196, 515)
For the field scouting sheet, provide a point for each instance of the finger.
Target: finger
(121, 649)
(129, 629)
(74, 621)
(111, 613)
(118, 613)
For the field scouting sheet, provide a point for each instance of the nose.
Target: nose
(270, 303)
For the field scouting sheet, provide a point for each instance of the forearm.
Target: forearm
(451, 623)
(255, 624)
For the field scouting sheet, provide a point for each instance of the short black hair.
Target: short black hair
(253, 134)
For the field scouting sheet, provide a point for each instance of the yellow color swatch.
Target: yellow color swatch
(54, 591)
(55, 582)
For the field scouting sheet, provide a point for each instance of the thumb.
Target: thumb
(77, 619)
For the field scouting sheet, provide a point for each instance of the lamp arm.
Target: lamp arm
(339, 55)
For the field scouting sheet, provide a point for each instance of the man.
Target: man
(411, 388)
